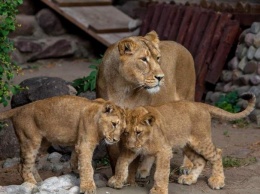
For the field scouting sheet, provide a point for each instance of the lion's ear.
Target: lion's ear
(126, 46)
(108, 108)
(148, 119)
(153, 37)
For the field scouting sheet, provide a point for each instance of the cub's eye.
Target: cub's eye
(138, 133)
(158, 58)
(144, 59)
(114, 124)
(126, 133)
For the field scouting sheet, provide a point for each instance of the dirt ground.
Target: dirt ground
(240, 144)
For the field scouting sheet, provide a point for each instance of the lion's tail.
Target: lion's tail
(222, 114)
(8, 114)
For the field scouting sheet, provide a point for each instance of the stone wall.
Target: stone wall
(243, 70)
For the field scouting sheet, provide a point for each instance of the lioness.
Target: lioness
(66, 120)
(138, 71)
(155, 131)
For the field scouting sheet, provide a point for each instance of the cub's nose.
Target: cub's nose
(159, 77)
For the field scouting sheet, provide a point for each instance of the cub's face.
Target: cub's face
(112, 122)
(140, 62)
(139, 129)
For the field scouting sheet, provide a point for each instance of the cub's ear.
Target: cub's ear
(108, 108)
(153, 37)
(148, 119)
(126, 46)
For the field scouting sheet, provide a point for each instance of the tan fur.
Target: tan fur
(155, 131)
(66, 120)
(124, 77)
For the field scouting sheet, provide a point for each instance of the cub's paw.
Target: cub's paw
(143, 173)
(115, 183)
(186, 180)
(88, 188)
(216, 182)
(157, 190)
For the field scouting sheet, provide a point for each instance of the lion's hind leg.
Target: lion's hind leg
(198, 165)
(214, 155)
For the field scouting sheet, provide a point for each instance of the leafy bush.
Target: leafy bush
(229, 102)
(87, 83)
(8, 10)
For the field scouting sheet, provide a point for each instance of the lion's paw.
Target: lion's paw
(88, 188)
(157, 190)
(142, 173)
(187, 179)
(115, 183)
(216, 182)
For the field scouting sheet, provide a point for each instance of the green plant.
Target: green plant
(8, 10)
(89, 82)
(228, 102)
(229, 161)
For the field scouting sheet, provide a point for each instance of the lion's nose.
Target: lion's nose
(159, 77)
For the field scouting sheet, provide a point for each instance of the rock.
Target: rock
(29, 7)
(55, 47)
(9, 145)
(50, 184)
(50, 22)
(219, 87)
(215, 96)
(255, 116)
(249, 39)
(26, 26)
(251, 67)
(89, 94)
(241, 51)
(257, 40)
(244, 79)
(243, 34)
(255, 27)
(242, 89)
(40, 88)
(255, 79)
(258, 68)
(242, 63)
(233, 63)
(257, 102)
(227, 87)
(134, 24)
(28, 45)
(208, 97)
(25, 188)
(251, 52)
(9, 162)
(54, 157)
(236, 74)
(255, 90)
(74, 190)
(257, 54)
(68, 181)
(226, 76)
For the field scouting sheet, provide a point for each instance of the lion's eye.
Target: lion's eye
(138, 133)
(114, 124)
(144, 59)
(158, 58)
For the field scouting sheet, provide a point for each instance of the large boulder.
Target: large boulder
(38, 88)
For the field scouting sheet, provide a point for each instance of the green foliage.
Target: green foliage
(228, 102)
(8, 10)
(229, 161)
(87, 83)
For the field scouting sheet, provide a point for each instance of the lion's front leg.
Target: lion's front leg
(162, 172)
(121, 171)
(86, 172)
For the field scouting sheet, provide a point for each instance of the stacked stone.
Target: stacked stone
(41, 34)
(243, 70)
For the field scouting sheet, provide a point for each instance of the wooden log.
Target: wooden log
(200, 84)
(190, 32)
(185, 24)
(230, 33)
(205, 43)
(156, 16)
(146, 21)
(200, 28)
(163, 20)
(246, 19)
(170, 21)
(223, 20)
(177, 22)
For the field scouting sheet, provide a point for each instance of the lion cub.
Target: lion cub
(66, 120)
(155, 131)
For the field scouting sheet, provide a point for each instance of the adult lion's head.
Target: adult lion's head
(140, 62)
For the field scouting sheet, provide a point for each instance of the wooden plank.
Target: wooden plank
(147, 19)
(177, 22)
(227, 39)
(71, 3)
(99, 18)
(163, 20)
(103, 38)
(156, 16)
(170, 21)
